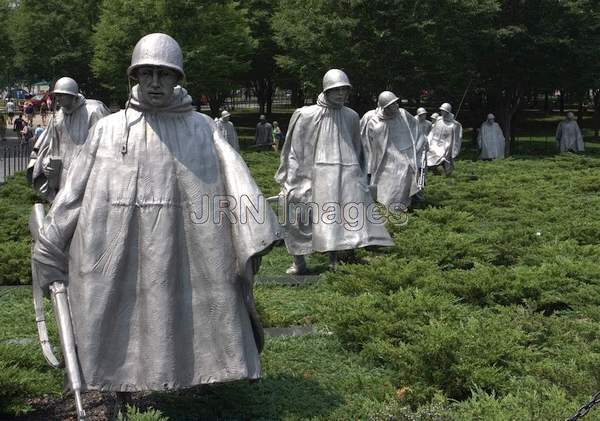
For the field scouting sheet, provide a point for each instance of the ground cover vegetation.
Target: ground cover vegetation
(485, 308)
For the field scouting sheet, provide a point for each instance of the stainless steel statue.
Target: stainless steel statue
(391, 134)
(264, 132)
(568, 135)
(227, 130)
(444, 140)
(159, 250)
(323, 179)
(67, 131)
(490, 140)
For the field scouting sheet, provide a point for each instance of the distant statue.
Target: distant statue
(490, 139)
(391, 134)
(59, 144)
(568, 135)
(422, 144)
(444, 140)
(264, 133)
(323, 179)
(150, 233)
(227, 130)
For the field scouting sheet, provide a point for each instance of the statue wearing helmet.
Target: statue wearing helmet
(159, 283)
(227, 130)
(390, 134)
(444, 139)
(424, 129)
(568, 135)
(490, 140)
(323, 179)
(67, 131)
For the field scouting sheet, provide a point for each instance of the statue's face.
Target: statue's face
(422, 117)
(66, 102)
(225, 118)
(338, 96)
(156, 84)
(445, 114)
(570, 116)
(391, 109)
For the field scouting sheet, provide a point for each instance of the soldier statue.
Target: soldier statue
(58, 146)
(160, 270)
(323, 179)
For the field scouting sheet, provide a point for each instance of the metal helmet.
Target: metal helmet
(157, 50)
(420, 111)
(446, 107)
(491, 116)
(67, 86)
(386, 98)
(335, 78)
(225, 113)
(435, 116)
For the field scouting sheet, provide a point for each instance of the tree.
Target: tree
(262, 66)
(6, 50)
(52, 38)
(213, 35)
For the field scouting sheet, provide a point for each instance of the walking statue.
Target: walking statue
(227, 130)
(56, 149)
(490, 140)
(160, 258)
(422, 148)
(391, 134)
(323, 179)
(568, 135)
(444, 141)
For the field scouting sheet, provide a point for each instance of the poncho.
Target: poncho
(422, 144)
(445, 139)
(392, 147)
(264, 133)
(63, 138)
(228, 133)
(322, 176)
(491, 141)
(151, 227)
(568, 136)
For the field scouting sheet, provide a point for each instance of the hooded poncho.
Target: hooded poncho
(150, 225)
(322, 175)
(491, 141)
(422, 144)
(228, 133)
(568, 136)
(445, 139)
(63, 138)
(391, 141)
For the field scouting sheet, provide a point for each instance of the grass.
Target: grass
(486, 308)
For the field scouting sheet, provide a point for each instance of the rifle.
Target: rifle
(422, 171)
(62, 312)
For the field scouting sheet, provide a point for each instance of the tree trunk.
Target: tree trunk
(546, 103)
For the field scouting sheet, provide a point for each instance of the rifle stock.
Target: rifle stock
(62, 312)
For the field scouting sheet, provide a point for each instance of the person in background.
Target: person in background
(29, 111)
(278, 136)
(37, 133)
(10, 110)
(44, 112)
(18, 125)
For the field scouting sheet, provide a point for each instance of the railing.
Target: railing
(14, 158)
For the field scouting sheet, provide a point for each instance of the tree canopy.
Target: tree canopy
(503, 50)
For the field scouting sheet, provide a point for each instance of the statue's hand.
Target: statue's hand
(48, 171)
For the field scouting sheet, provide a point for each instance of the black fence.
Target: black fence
(13, 158)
